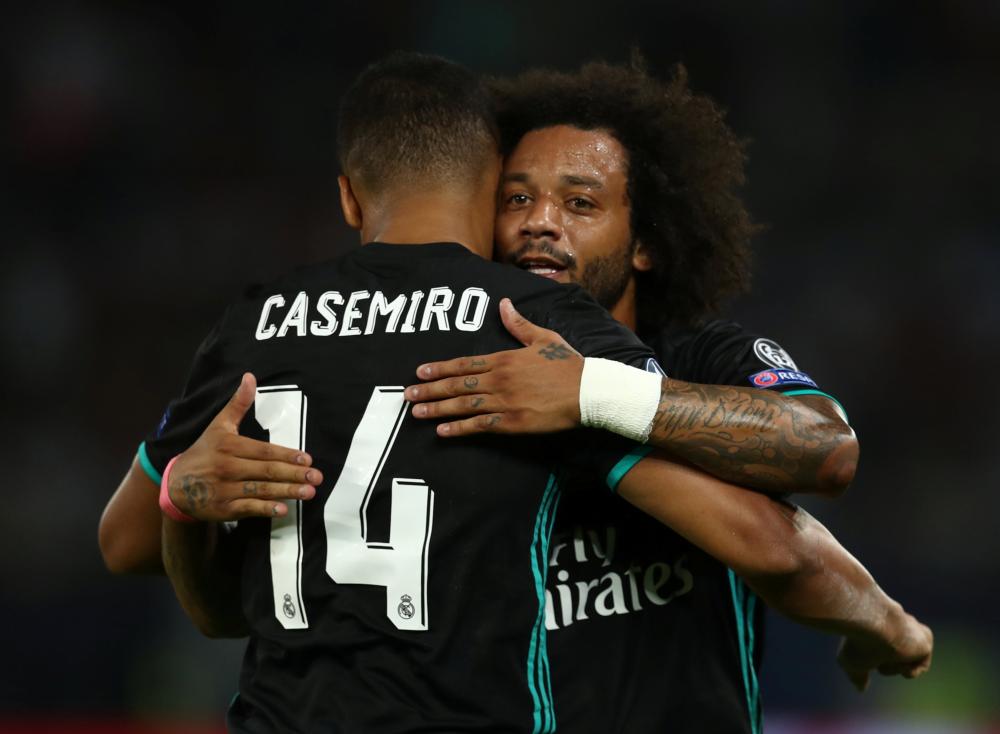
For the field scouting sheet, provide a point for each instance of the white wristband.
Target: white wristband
(618, 398)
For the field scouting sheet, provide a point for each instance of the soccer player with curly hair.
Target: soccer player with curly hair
(628, 185)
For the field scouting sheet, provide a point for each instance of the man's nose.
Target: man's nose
(543, 220)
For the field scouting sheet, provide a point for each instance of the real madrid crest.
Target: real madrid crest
(406, 609)
(288, 608)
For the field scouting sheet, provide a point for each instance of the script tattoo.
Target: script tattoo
(750, 437)
(554, 350)
(478, 362)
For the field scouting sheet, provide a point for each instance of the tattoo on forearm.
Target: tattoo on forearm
(746, 436)
(554, 350)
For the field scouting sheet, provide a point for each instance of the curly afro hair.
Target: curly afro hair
(684, 168)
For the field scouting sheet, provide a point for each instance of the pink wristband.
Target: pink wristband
(166, 504)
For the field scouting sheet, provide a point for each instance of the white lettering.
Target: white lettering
(615, 593)
(267, 332)
(383, 307)
(352, 313)
(317, 328)
(633, 587)
(584, 587)
(579, 552)
(655, 577)
(296, 316)
(550, 612)
(439, 300)
(328, 315)
(608, 552)
(472, 298)
(411, 315)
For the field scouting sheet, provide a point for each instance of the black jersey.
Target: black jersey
(646, 632)
(408, 595)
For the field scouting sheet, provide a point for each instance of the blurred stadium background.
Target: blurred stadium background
(161, 157)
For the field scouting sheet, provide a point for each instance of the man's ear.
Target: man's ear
(641, 258)
(349, 203)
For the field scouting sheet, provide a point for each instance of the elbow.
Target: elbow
(213, 631)
(115, 558)
(220, 629)
(122, 556)
(837, 470)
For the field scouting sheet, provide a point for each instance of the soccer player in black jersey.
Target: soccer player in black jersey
(408, 593)
(626, 186)
(276, 317)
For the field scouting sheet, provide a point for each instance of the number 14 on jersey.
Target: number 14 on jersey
(400, 566)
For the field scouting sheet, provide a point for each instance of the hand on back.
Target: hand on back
(226, 476)
(535, 389)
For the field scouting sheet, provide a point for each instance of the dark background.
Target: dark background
(161, 158)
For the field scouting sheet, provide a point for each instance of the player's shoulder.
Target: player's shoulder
(682, 338)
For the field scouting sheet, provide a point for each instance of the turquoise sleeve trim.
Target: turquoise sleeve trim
(744, 633)
(147, 465)
(817, 392)
(624, 466)
(539, 678)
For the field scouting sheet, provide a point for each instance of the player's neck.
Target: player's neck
(434, 217)
(625, 311)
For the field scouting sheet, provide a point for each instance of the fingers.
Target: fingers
(448, 388)
(487, 423)
(253, 490)
(239, 469)
(518, 326)
(463, 406)
(452, 367)
(232, 414)
(249, 448)
(912, 669)
(257, 508)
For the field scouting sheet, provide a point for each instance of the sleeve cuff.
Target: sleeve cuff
(147, 465)
(624, 466)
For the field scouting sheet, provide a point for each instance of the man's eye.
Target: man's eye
(578, 202)
(517, 199)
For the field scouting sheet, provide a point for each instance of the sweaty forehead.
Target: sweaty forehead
(562, 151)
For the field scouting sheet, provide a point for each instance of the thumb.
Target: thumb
(518, 326)
(232, 414)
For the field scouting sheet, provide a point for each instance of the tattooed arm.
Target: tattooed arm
(751, 437)
(202, 561)
(761, 439)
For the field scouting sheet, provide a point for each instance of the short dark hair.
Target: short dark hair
(416, 118)
(684, 167)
